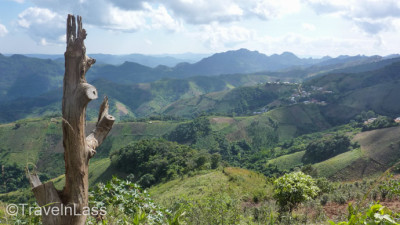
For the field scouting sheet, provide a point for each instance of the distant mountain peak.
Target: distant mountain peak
(288, 54)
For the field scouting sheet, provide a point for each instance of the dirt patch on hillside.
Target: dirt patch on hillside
(335, 211)
(217, 120)
(239, 134)
(122, 109)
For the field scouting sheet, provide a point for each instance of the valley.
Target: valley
(215, 133)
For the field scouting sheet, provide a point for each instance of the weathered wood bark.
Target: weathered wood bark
(78, 149)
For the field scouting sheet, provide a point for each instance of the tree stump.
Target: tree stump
(78, 149)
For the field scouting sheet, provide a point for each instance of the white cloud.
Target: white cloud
(125, 20)
(216, 36)
(3, 30)
(268, 9)
(161, 19)
(308, 27)
(102, 12)
(129, 16)
(203, 12)
(371, 16)
(43, 25)
(327, 6)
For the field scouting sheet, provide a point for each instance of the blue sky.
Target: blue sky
(304, 27)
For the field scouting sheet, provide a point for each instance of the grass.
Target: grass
(298, 119)
(286, 132)
(334, 165)
(379, 151)
(99, 171)
(381, 145)
(288, 162)
(19, 147)
(39, 141)
(247, 184)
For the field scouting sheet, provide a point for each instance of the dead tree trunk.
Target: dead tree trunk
(78, 149)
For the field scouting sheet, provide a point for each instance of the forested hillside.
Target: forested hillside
(219, 141)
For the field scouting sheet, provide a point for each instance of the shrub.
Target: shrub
(215, 160)
(294, 188)
(125, 201)
(376, 214)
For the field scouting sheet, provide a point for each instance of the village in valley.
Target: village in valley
(299, 95)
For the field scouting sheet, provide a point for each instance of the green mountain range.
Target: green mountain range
(34, 81)
(250, 115)
(213, 136)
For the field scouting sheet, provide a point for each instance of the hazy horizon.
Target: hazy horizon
(194, 54)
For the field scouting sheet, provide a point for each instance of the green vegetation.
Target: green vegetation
(12, 178)
(328, 147)
(22, 76)
(154, 161)
(219, 143)
(238, 101)
(379, 123)
(192, 131)
(294, 188)
(336, 167)
(150, 98)
(288, 162)
(123, 202)
(215, 197)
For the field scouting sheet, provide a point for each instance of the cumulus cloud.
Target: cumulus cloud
(3, 30)
(202, 11)
(371, 16)
(124, 20)
(161, 19)
(190, 11)
(216, 36)
(267, 9)
(43, 25)
(129, 16)
(308, 27)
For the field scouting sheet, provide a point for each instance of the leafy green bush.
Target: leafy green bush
(294, 188)
(324, 185)
(375, 215)
(125, 203)
(390, 189)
